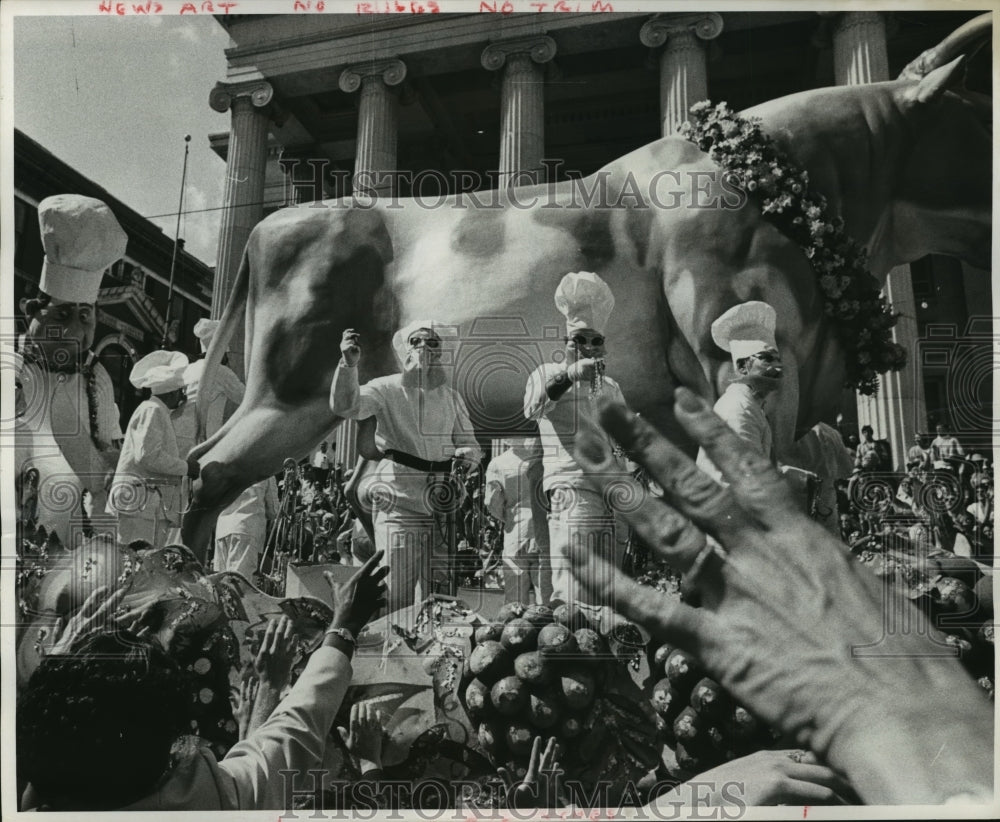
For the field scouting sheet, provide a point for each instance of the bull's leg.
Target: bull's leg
(252, 449)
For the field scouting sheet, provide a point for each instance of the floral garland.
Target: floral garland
(852, 299)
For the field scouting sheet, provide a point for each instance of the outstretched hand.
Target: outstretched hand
(273, 663)
(357, 600)
(242, 702)
(763, 778)
(539, 780)
(364, 739)
(792, 625)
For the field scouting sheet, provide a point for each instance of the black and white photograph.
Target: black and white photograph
(498, 409)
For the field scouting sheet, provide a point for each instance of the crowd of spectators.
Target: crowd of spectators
(942, 502)
(107, 748)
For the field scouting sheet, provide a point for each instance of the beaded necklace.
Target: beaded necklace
(89, 372)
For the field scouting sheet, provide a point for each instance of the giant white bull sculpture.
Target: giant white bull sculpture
(906, 164)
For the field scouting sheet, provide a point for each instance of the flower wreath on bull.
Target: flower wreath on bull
(851, 295)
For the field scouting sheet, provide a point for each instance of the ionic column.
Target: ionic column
(898, 411)
(522, 106)
(683, 61)
(375, 155)
(374, 158)
(243, 205)
(860, 52)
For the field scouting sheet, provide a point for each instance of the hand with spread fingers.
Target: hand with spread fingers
(359, 599)
(792, 625)
(273, 663)
(273, 667)
(539, 786)
(242, 702)
(364, 739)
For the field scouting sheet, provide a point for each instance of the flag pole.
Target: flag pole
(173, 259)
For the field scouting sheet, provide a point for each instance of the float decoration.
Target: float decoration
(852, 299)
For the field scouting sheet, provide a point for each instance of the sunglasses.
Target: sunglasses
(767, 356)
(414, 342)
(579, 339)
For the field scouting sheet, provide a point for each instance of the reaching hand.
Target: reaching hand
(138, 612)
(349, 348)
(273, 663)
(364, 740)
(764, 778)
(358, 599)
(91, 616)
(792, 626)
(242, 702)
(539, 780)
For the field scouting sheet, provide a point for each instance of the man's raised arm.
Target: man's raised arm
(345, 394)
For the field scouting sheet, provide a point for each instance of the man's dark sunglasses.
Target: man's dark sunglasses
(430, 343)
(767, 356)
(579, 339)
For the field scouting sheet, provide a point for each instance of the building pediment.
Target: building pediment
(137, 302)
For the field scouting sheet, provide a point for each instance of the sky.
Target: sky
(114, 96)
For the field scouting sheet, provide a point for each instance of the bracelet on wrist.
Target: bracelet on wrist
(344, 364)
(344, 633)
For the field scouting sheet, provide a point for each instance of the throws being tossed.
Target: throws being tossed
(422, 425)
(792, 625)
(561, 397)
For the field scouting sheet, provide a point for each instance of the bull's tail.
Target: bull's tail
(233, 313)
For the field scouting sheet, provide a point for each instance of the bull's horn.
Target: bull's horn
(968, 36)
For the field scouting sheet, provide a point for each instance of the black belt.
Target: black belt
(416, 463)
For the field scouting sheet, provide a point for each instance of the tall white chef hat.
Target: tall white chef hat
(401, 338)
(745, 329)
(160, 371)
(204, 330)
(585, 300)
(81, 238)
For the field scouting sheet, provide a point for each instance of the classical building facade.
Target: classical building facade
(465, 101)
(132, 305)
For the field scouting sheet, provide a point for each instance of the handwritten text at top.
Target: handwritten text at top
(154, 7)
(121, 9)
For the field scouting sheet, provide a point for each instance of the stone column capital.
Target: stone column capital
(223, 95)
(833, 23)
(851, 19)
(391, 72)
(660, 28)
(539, 49)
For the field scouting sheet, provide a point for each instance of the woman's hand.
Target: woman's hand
(793, 626)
